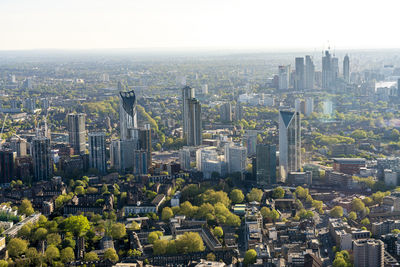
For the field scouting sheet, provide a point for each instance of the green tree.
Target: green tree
(25, 231)
(232, 220)
(67, 255)
(278, 192)
(255, 195)
(153, 236)
(357, 205)
(78, 225)
(166, 214)
(26, 208)
(34, 258)
(213, 197)
(301, 192)
(339, 262)
(204, 210)
(250, 257)
(52, 253)
(365, 221)
(91, 256)
(160, 247)
(368, 201)
(53, 239)
(3, 263)
(211, 257)
(118, 230)
(17, 247)
(218, 232)
(336, 212)
(236, 196)
(111, 255)
(352, 216)
(40, 234)
(79, 190)
(396, 231)
(189, 242)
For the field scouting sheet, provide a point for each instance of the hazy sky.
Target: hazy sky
(166, 24)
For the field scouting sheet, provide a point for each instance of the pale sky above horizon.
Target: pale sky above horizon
(203, 24)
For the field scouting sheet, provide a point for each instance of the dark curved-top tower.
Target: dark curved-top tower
(127, 114)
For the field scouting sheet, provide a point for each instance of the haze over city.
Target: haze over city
(207, 24)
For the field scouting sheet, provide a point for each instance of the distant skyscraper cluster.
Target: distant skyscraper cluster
(304, 76)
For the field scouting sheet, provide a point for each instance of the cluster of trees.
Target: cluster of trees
(327, 140)
(22, 249)
(303, 196)
(187, 243)
(342, 259)
(213, 213)
(270, 215)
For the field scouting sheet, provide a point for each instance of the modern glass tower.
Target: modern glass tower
(266, 164)
(191, 113)
(310, 73)
(289, 143)
(127, 114)
(299, 74)
(97, 152)
(42, 163)
(346, 69)
(77, 132)
(7, 165)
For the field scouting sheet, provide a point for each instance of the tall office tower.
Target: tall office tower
(289, 143)
(7, 165)
(266, 164)
(327, 71)
(310, 73)
(238, 111)
(97, 152)
(335, 68)
(77, 132)
(122, 154)
(235, 157)
(299, 82)
(195, 130)
(368, 253)
(226, 112)
(191, 112)
(250, 142)
(187, 95)
(346, 69)
(284, 77)
(127, 114)
(145, 141)
(41, 156)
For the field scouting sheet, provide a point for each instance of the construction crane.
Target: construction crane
(2, 129)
